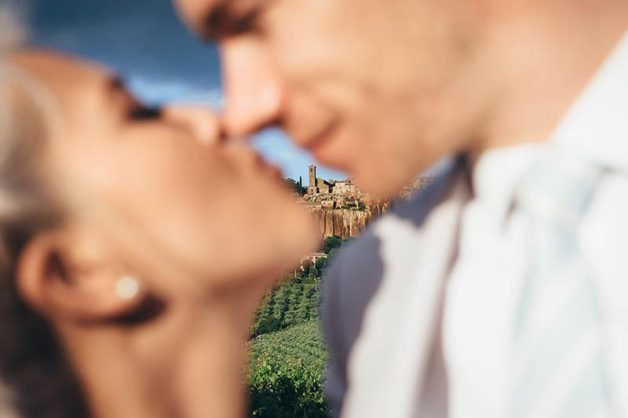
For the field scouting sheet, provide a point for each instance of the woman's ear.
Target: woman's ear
(71, 275)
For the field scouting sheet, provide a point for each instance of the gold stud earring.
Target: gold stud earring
(127, 287)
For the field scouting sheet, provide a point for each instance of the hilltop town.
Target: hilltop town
(333, 194)
(340, 208)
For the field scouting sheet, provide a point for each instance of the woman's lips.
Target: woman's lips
(255, 160)
(271, 170)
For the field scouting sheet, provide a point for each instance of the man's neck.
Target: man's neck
(542, 61)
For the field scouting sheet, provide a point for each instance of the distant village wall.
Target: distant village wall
(345, 223)
(340, 209)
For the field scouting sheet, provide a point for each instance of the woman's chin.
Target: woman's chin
(312, 237)
(304, 238)
(309, 239)
(261, 247)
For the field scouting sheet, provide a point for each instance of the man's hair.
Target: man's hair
(37, 379)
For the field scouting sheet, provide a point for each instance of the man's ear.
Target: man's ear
(66, 274)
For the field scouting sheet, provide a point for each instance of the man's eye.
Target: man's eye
(246, 23)
(143, 113)
(221, 24)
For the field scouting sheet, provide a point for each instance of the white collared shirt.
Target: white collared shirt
(483, 288)
(471, 251)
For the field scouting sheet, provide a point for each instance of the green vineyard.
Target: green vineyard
(286, 373)
(287, 353)
(295, 302)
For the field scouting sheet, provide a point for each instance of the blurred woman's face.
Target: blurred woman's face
(174, 208)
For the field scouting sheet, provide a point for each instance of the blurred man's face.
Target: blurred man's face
(364, 84)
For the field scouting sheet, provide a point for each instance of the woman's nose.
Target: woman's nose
(253, 88)
(201, 121)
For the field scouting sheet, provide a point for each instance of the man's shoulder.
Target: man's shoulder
(415, 209)
(358, 261)
(361, 260)
(356, 273)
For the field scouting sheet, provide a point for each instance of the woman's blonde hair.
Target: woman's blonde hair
(37, 380)
(13, 33)
(24, 116)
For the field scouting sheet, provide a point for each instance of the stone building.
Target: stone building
(312, 189)
(314, 257)
(345, 187)
(318, 185)
(328, 204)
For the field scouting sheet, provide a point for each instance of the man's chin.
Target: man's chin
(380, 188)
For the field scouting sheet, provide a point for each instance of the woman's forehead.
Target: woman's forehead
(76, 85)
(64, 75)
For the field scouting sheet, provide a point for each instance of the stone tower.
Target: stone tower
(312, 186)
(312, 176)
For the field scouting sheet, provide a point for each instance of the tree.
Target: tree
(306, 266)
(266, 324)
(281, 299)
(308, 309)
(321, 263)
(295, 186)
(290, 317)
(331, 243)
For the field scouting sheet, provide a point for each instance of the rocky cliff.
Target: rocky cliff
(345, 213)
(346, 223)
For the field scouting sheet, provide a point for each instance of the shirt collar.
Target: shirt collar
(597, 124)
(496, 173)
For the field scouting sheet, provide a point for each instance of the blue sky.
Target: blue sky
(161, 61)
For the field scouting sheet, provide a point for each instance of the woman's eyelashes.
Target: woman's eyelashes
(145, 113)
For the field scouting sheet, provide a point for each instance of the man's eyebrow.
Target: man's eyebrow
(221, 21)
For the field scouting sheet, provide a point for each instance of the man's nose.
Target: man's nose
(253, 88)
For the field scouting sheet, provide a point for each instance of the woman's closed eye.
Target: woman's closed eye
(132, 109)
(142, 112)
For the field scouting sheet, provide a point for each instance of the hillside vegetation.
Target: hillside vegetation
(286, 373)
(287, 353)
